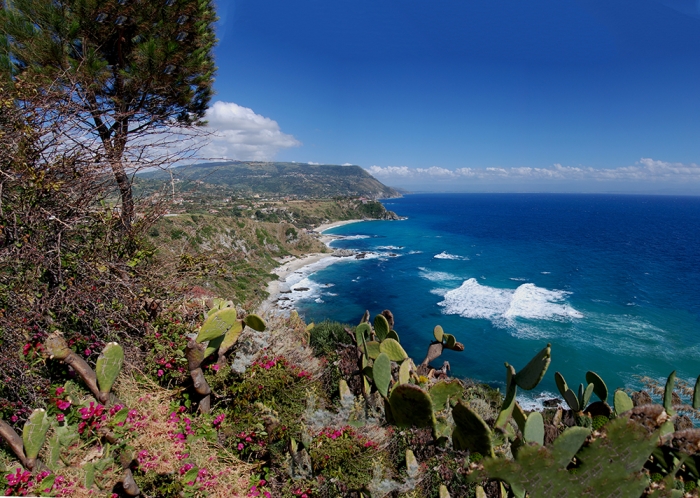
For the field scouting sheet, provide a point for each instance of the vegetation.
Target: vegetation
(294, 180)
(123, 73)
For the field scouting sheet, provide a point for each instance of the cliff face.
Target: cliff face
(283, 179)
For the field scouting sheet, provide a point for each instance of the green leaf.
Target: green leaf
(393, 349)
(217, 324)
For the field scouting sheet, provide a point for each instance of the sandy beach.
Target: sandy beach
(290, 264)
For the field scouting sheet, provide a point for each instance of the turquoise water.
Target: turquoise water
(612, 282)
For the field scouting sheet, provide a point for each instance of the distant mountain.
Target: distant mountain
(283, 179)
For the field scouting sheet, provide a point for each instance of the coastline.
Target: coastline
(291, 264)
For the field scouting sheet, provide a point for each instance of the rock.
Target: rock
(361, 255)
(641, 398)
(343, 253)
(682, 423)
(552, 403)
(301, 289)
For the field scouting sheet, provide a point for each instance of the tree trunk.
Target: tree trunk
(127, 211)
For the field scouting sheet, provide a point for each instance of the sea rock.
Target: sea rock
(641, 398)
(552, 403)
(361, 255)
(343, 253)
(301, 289)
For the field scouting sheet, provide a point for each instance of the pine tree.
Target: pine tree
(130, 70)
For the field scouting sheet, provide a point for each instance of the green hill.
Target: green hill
(283, 179)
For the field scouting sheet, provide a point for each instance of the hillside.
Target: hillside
(297, 180)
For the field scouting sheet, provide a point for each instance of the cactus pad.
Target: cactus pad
(412, 467)
(34, 433)
(567, 445)
(534, 428)
(231, 336)
(381, 373)
(572, 400)
(56, 346)
(441, 391)
(108, 366)
(586, 396)
(393, 335)
(438, 333)
(561, 383)
(519, 416)
(405, 371)
(381, 327)
(214, 345)
(411, 406)
(255, 322)
(450, 341)
(696, 395)
(622, 402)
(393, 350)
(508, 406)
(217, 324)
(668, 393)
(534, 371)
(610, 466)
(599, 387)
(362, 331)
(372, 349)
(470, 432)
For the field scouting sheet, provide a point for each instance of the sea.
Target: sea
(612, 282)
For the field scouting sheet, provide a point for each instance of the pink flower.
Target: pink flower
(240, 446)
(14, 418)
(63, 404)
(215, 367)
(60, 417)
(160, 373)
(60, 390)
(88, 352)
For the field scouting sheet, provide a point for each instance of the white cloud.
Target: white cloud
(346, 164)
(311, 163)
(644, 170)
(240, 133)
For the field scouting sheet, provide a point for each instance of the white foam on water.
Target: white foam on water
(446, 255)
(415, 252)
(437, 276)
(319, 300)
(503, 306)
(390, 248)
(516, 279)
(440, 291)
(536, 403)
(546, 272)
(354, 237)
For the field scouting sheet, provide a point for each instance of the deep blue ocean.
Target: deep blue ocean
(611, 281)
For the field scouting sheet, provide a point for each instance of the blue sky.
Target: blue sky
(479, 95)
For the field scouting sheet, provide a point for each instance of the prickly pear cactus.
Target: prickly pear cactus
(622, 402)
(381, 327)
(392, 349)
(34, 433)
(442, 391)
(381, 373)
(411, 406)
(534, 429)
(599, 387)
(609, 467)
(534, 371)
(255, 322)
(108, 366)
(217, 324)
(438, 333)
(470, 432)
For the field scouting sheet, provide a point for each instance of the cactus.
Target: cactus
(438, 333)
(381, 373)
(411, 406)
(362, 331)
(393, 335)
(34, 434)
(534, 371)
(108, 366)
(392, 349)
(696, 394)
(255, 322)
(381, 327)
(470, 432)
(622, 402)
(412, 467)
(668, 393)
(599, 387)
(217, 324)
(405, 371)
(609, 466)
(534, 429)
(443, 493)
(442, 391)
(372, 349)
(581, 401)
